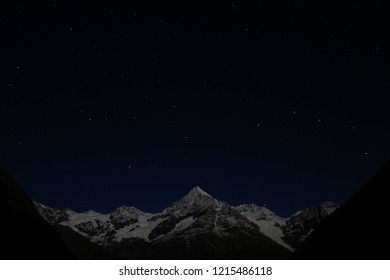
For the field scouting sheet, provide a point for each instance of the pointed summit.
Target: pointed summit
(197, 195)
(196, 199)
(198, 191)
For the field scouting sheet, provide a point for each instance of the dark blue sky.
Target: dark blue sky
(284, 105)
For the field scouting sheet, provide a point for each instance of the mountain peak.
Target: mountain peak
(196, 199)
(198, 191)
(127, 208)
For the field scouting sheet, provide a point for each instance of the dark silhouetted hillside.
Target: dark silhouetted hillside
(24, 233)
(356, 229)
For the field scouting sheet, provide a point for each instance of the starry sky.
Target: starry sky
(277, 104)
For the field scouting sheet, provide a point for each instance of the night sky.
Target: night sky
(283, 105)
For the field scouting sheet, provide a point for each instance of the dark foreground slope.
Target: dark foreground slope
(356, 229)
(24, 233)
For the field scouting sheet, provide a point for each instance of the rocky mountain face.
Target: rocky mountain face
(298, 227)
(197, 226)
(354, 230)
(290, 232)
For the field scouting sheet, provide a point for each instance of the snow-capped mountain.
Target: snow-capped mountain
(299, 226)
(198, 225)
(196, 200)
(269, 223)
(289, 232)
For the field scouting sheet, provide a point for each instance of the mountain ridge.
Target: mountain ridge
(196, 215)
(197, 226)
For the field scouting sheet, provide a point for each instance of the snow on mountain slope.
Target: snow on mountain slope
(300, 225)
(195, 214)
(269, 223)
(196, 200)
(191, 214)
(102, 228)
